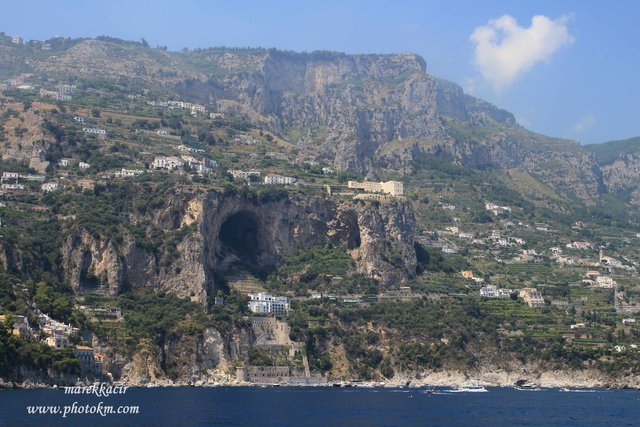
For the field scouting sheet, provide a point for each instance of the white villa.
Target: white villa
(264, 303)
(275, 179)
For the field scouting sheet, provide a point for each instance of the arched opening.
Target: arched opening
(240, 245)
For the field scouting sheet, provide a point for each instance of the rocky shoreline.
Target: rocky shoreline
(544, 379)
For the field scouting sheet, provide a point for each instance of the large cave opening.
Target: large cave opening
(241, 245)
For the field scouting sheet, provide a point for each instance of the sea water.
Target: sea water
(324, 406)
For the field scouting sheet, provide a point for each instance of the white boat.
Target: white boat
(528, 387)
(469, 389)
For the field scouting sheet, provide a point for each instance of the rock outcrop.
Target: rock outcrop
(218, 229)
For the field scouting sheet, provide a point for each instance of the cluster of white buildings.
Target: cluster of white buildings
(263, 303)
(195, 108)
(175, 162)
(491, 291)
(579, 245)
(201, 166)
(167, 162)
(11, 180)
(58, 96)
(48, 187)
(496, 209)
(58, 332)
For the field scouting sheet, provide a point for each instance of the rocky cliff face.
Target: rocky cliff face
(366, 113)
(220, 229)
(361, 113)
(24, 138)
(622, 176)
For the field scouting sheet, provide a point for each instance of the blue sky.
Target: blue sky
(573, 74)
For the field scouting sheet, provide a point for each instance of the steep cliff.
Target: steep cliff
(367, 113)
(212, 230)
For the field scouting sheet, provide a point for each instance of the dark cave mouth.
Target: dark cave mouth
(241, 246)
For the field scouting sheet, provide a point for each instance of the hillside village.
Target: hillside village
(523, 258)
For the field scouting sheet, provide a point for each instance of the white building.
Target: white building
(64, 162)
(491, 291)
(394, 188)
(275, 179)
(171, 162)
(605, 282)
(264, 303)
(94, 131)
(79, 119)
(49, 186)
(6, 186)
(10, 176)
(496, 209)
(240, 174)
(127, 173)
(84, 165)
(199, 108)
(328, 171)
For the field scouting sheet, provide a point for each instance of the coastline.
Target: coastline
(447, 379)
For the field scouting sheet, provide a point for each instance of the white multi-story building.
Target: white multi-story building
(94, 131)
(275, 179)
(491, 291)
(171, 162)
(84, 165)
(264, 303)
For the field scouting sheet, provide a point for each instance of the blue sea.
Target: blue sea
(290, 406)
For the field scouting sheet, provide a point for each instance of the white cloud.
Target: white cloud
(470, 85)
(584, 123)
(504, 50)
